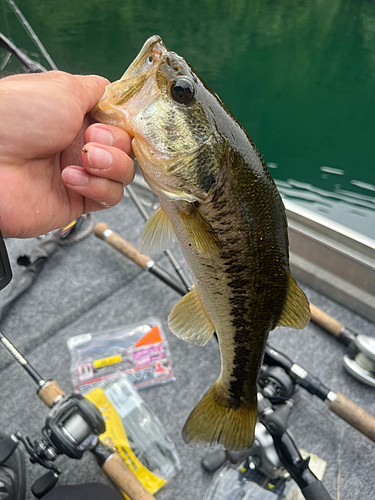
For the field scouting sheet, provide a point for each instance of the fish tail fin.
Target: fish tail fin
(212, 422)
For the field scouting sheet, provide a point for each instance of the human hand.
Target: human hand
(54, 165)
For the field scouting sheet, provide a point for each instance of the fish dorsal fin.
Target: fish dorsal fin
(158, 234)
(296, 312)
(189, 321)
(199, 230)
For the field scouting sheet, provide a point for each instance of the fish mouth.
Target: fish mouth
(153, 48)
(144, 65)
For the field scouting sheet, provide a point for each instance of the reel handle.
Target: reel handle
(121, 245)
(356, 416)
(122, 476)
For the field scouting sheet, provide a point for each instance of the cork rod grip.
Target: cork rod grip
(50, 393)
(355, 415)
(121, 245)
(325, 321)
(122, 476)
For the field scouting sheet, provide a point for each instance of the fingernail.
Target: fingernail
(101, 135)
(99, 158)
(75, 176)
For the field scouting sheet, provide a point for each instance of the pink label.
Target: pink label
(85, 372)
(148, 355)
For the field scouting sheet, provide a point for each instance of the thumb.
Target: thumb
(92, 88)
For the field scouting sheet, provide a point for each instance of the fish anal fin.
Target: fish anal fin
(199, 230)
(158, 234)
(189, 321)
(214, 422)
(296, 312)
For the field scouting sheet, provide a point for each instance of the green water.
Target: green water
(299, 75)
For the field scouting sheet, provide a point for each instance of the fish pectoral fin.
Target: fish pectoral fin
(200, 232)
(296, 312)
(189, 321)
(158, 234)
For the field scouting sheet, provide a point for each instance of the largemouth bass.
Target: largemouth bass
(220, 202)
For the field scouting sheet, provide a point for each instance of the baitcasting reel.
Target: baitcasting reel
(72, 427)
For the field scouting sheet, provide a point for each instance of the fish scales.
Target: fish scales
(219, 201)
(250, 294)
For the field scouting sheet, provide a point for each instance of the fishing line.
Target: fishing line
(69, 233)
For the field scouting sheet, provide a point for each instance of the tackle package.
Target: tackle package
(136, 433)
(140, 352)
(233, 482)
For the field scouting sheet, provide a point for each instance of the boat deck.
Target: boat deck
(90, 287)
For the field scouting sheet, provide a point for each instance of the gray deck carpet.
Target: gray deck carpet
(89, 286)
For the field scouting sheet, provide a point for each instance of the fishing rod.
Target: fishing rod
(73, 426)
(31, 65)
(360, 358)
(31, 34)
(339, 404)
(102, 231)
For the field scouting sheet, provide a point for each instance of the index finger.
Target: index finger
(110, 136)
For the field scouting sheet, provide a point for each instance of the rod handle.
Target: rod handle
(315, 491)
(50, 393)
(356, 416)
(121, 245)
(325, 321)
(117, 470)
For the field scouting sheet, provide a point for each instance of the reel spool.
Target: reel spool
(362, 366)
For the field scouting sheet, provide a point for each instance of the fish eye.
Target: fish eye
(182, 90)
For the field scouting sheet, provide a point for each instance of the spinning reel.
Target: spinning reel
(359, 359)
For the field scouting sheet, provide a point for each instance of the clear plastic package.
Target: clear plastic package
(136, 433)
(139, 351)
(240, 483)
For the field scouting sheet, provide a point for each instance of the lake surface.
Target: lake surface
(300, 77)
